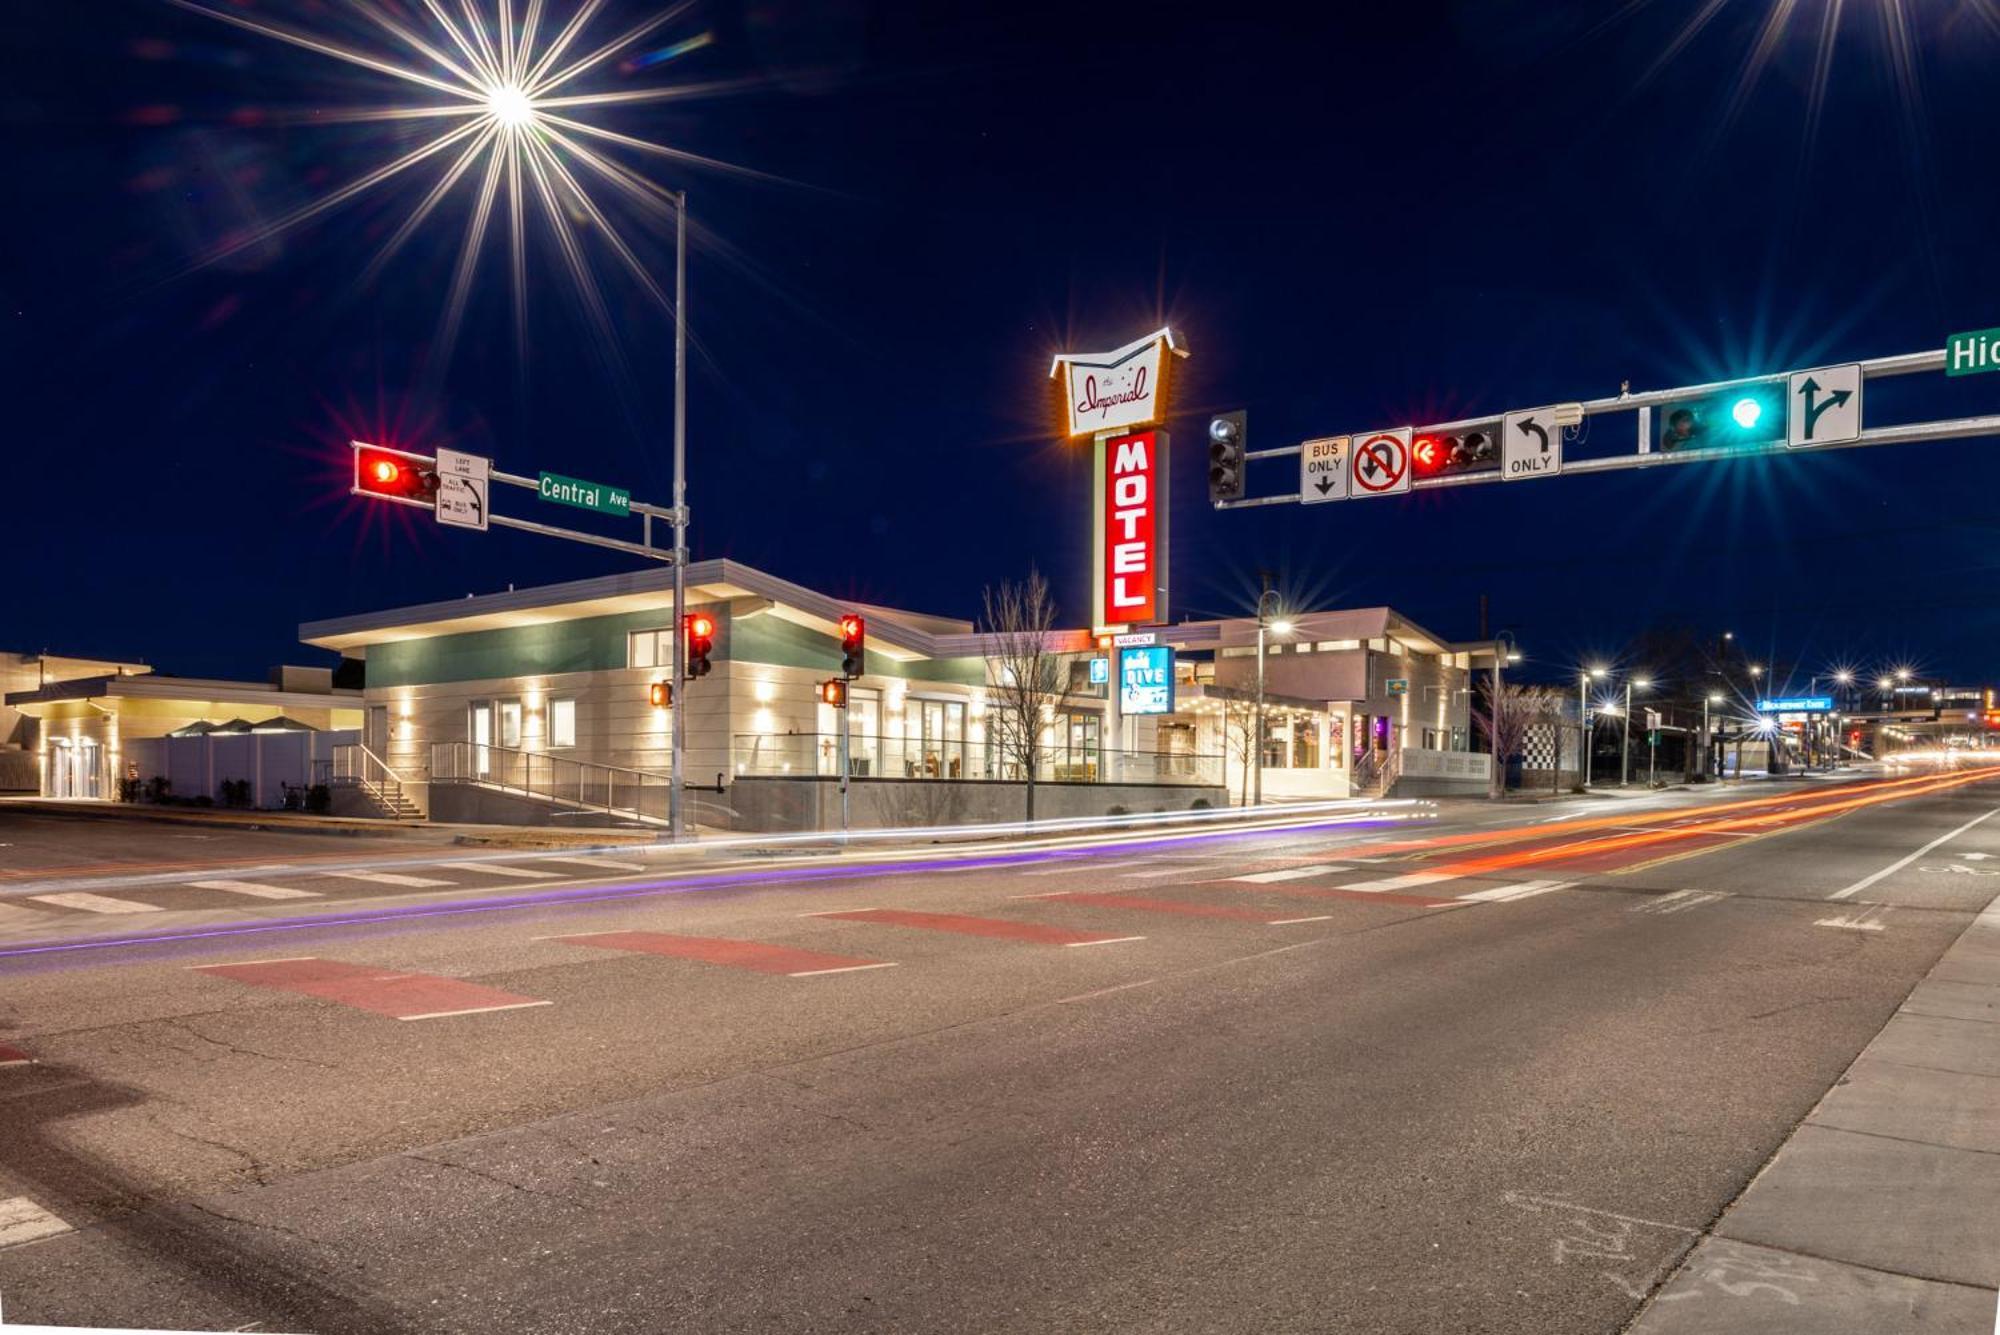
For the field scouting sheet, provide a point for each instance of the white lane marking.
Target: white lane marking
(1901, 863)
(1289, 873)
(1107, 941)
(1868, 920)
(1657, 904)
(387, 878)
(612, 863)
(237, 964)
(1705, 897)
(1287, 922)
(1504, 894)
(496, 869)
(21, 1220)
(1085, 864)
(845, 968)
(1159, 872)
(255, 889)
(1409, 882)
(476, 1010)
(89, 903)
(16, 1061)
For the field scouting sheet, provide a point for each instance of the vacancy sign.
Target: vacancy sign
(1323, 470)
(1116, 390)
(1131, 528)
(464, 482)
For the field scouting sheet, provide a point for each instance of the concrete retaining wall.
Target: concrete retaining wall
(782, 804)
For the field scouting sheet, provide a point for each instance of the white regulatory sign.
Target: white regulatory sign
(1380, 463)
(1824, 407)
(1531, 445)
(463, 484)
(1323, 470)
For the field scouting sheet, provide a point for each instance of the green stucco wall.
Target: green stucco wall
(596, 644)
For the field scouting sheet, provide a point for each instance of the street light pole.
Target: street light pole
(678, 740)
(1583, 730)
(1625, 747)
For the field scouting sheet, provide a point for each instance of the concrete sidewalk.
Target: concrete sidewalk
(1881, 1214)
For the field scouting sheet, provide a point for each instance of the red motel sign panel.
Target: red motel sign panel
(1132, 529)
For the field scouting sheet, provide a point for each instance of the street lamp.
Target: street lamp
(1707, 744)
(1583, 756)
(1625, 750)
(1268, 620)
(1504, 651)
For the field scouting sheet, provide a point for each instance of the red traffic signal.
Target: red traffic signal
(833, 691)
(1429, 455)
(394, 474)
(660, 694)
(853, 645)
(700, 643)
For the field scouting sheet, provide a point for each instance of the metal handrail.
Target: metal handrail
(586, 785)
(388, 789)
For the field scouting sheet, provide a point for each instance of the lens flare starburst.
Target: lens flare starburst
(508, 96)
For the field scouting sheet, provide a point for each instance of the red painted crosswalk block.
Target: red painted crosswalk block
(1149, 905)
(756, 956)
(965, 925)
(11, 1056)
(1356, 896)
(403, 996)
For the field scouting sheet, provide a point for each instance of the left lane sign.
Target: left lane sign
(464, 482)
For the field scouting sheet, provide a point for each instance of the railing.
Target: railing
(582, 786)
(355, 766)
(809, 754)
(1376, 772)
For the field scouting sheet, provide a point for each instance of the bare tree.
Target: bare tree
(1510, 718)
(1029, 677)
(1239, 726)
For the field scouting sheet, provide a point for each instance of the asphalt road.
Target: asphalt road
(1342, 1077)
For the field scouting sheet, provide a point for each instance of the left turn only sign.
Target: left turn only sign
(1323, 470)
(463, 483)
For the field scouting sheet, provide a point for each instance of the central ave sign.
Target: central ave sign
(1131, 529)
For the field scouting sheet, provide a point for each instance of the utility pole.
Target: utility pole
(1625, 746)
(678, 741)
(1266, 605)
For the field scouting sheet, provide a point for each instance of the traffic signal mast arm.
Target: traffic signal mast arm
(1649, 455)
(428, 463)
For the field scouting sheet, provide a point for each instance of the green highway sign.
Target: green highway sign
(1972, 352)
(586, 495)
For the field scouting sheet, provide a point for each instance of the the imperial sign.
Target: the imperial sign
(1111, 391)
(1131, 529)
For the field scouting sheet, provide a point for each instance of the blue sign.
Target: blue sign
(1100, 671)
(1146, 680)
(1798, 704)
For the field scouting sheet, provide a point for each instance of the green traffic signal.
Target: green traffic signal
(1752, 414)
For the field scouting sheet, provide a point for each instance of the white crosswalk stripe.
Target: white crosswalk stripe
(386, 878)
(1680, 901)
(613, 863)
(256, 889)
(89, 903)
(1289, 873)
(14, 916)
(1504, 894)
(496, 869)
(1408, 882)
(21, 1220)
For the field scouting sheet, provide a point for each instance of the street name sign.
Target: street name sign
(1381, 463)
(596, 496)
(464, 482)
(1972, 352)
(1823, 407)
(1323, 470)
(1797, 704)
(1531, 445)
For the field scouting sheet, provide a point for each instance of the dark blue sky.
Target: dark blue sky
(1357, 220)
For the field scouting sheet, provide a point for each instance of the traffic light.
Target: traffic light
(660, 694)
(1436, 453)
(391, 473)
(853, 645)
(1752, 413)
(1228, 437)
(833, 691)
(700, 643)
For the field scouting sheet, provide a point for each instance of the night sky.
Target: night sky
(1379, 215)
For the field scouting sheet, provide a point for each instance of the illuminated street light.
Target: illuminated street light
(1625, 750)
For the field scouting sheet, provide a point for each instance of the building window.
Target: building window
(510, 723)
(650, 648)
(1305, 744)
(562, 723)
(1274, 745)
(1333, 646)
(1239, 651)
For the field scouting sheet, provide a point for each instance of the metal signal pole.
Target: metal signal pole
(678, 741)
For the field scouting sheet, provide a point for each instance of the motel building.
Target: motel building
(538, 706)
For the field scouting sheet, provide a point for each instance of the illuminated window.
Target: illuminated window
(510, 723)
(649, 648)
(562, 723)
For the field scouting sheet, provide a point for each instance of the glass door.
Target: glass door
(86, 769)
(482, 739)
(941, 738)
